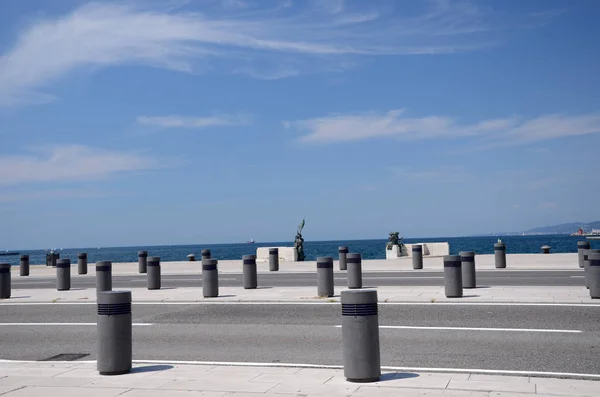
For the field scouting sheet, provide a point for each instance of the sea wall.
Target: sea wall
(287, 254)
(429, 249)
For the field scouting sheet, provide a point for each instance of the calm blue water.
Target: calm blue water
(370, 249)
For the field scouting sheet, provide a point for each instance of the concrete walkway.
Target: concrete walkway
(395, 294)
(484, 262)
(66, 379)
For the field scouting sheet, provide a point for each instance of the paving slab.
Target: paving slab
(567, 261)
(179, 380)
(390, 294)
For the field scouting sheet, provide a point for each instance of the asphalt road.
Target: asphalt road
(308, 334)
(371, 279)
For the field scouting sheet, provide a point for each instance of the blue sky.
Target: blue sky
(174, 122)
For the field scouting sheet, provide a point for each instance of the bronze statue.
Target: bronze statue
(299, 243)
(394, 239)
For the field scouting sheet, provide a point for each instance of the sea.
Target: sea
(370, 249)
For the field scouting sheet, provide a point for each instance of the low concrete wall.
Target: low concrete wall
(287, 254)
(429, 249)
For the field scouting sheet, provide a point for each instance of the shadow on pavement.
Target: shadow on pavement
(397, 375)
(150, 368)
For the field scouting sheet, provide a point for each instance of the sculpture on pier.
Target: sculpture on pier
(394, 239)
(299, 243)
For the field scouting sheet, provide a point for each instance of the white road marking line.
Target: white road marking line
(297, 303)
(325, 366)
(403, 278)
(565, 331)
(38, 282)
(59, 324)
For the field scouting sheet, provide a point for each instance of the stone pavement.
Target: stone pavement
(75, 379)
(484, 262)
(389, 294)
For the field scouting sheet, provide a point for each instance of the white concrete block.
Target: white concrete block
(286, 254)
(393, 253)
(429, 249)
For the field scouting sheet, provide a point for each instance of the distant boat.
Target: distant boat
(251, 241)
(8, 253)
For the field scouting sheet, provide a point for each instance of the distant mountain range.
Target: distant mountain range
(564, 228)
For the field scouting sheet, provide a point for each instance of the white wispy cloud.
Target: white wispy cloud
(548, 205)
(234, 36)
(193, 122)
(395, 124)
(70, 163)
(438, 174)
(49, 194)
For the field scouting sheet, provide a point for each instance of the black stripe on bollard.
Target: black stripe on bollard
(209, 267)
(467, 258)
(359, 310)
(113, 309)
(417, 248)
(249, 261)
(501, 248)
(352, 259)
(151, 264)
(452, 264)
(102, 268)
(63, 265)
(4, 270)
(594, 262)
(324, 265)
(343, 250)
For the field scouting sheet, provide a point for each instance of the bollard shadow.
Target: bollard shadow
(397, 376)
(150, 368)
(471, 296)
(482, 287)
(264, 287)
(168, 288)
(19, 297)
(222, 296)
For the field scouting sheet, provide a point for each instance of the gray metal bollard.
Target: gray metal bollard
(4, 280)
(354, 274)
(586, 265)
(54, 258)
(453, 276)
(325, 276)
(467, 259)
(417, 256)
(581, 247)
(249, 270)
(545, 249)
(360, 335)
(114, 333)
(210, 278)
(153, 272)
(594, 274)
(205, 253)
(500, 255)
(274, 259)
(103, 276)
(63, 275)
(24, 265)
(191, 258)
(143, 261)
(82, 265)
(343, 254)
